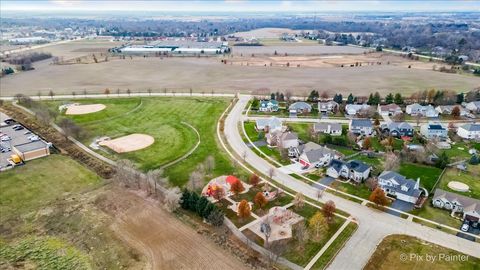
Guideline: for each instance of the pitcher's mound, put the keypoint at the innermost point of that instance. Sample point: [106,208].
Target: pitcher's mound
[84,109]
[129,143]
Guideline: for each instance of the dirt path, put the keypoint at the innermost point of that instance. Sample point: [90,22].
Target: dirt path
[167,242]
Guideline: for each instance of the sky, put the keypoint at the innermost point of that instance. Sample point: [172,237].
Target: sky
[239,6]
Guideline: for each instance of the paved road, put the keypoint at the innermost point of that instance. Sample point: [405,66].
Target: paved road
[373,225]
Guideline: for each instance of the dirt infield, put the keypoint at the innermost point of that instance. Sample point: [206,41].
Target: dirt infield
[84,109]
[166,241]
[129,143]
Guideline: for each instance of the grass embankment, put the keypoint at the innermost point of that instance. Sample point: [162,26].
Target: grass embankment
[406,252]
[161,118]
[48,222]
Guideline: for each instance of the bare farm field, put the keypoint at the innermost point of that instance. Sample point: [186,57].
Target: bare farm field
[296,48]
[267,33]
[209,74]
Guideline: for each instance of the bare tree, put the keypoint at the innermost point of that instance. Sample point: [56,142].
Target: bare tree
[244,155]
[172,199]
[271,173]
[392,162]
[195,180]
[210,164]
[70,129]
[149,90]
[299,200]
[155,178]
[125,172]
[300,233]
[288,95]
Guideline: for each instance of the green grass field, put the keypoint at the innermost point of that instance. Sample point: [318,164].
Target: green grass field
[389,252]
[161,118]
[428,175]
[40,182]
[471,178]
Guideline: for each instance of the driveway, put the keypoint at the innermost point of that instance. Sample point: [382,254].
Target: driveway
[400,205]
[324,181]
[257,144]
[295,168]
[470,230]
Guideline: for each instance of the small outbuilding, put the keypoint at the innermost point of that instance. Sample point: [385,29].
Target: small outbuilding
[31,150]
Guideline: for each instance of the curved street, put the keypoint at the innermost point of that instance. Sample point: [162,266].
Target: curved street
[373,224]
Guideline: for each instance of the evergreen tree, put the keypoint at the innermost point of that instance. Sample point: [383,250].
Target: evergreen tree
[389,98]
[377,98]
[350,99]
[194,198]
[185,201]
[370,99]
[398,99]
[201,205]
[442,161]
[460,98]
[474,160]
[338,98]
[272,96]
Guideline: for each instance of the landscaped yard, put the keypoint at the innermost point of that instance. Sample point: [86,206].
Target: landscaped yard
[252,133]
[302,130]
[162,119]
[459,151]
[360,190]
[471,178]
[436,214]
[275,154]
[391,252]
[428,174]
[377,145]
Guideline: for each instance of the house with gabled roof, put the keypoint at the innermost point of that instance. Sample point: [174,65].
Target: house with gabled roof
[473,106]
[354,170]
[329,106]
[389,109]
[417,109]
[282,139]
[269,124]
[469,131]
[361,126]
[316,155]
[400,187]
[353,109]
[434,130]
[334,129]
[268,106]
[468,207]
[398,129]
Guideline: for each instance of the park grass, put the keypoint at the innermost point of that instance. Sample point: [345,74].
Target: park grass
[471,178]
[336,245]
[161,118]
[24,189]
[437,215]
[387,255]
[428,175]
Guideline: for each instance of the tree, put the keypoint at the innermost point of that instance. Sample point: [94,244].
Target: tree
[474,160]
[210,164]
[371,183]
[51,94]
[271,173]
[460,98]
[195,180]
[155,178]
[389,98]
[202,203]
[216,218]
[218,193]
[244,209]
[254,179]
[324,95]
[300,233]
[272,96]
[318,225]
[288,95]
[376,122]
[299,200]
[124,172]
[70,128]
[260,200]
[172,199]
[378,197]
[328,210]
[129,91]
[442,161]
[338,98]
[456,112]
[350,99]
[237,187]
[392,162]
[106,91]
[367,144]
[398,99]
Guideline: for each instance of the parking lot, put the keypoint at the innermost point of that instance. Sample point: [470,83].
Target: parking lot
[14,134]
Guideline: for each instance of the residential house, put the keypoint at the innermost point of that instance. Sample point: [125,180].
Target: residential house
[434,130]
[334,129]
[389,109]
[327,107]
[469,207]
[300,107]
[268,106]
[353,109]
[473,106]
[353,169]
[282,139]
[425,111]
[400,187]
[398,129]
[269,124]
[469,131]
[361,126]
[316,155]
[447,109]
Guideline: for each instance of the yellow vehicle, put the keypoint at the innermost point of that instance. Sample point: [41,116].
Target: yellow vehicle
[16,159]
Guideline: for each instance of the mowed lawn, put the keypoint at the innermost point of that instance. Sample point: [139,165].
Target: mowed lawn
[471,178]
[27,188]
[162,119]
[403,252]
[428,174]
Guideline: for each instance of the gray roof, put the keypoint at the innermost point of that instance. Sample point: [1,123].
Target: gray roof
[289,136]
[300,105]
[31,146]
[402,181]
[361,123]
[355,165]
[272,122]
[471,127]
[398,125]
[326,104]
[314,152]
[324,126]
[468,204]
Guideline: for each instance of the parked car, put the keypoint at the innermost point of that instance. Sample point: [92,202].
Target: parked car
[5,149]
[27,132]
[18,127]
[33,138]
[465,227]
[5,138]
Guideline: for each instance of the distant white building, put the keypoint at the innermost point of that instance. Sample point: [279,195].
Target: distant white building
[469,131]
[269,124]
[417,109]
[361,127]
[326,107]
[473,106]
[389,109]
[434,130]
[334,129]
[353,109]
[447,109]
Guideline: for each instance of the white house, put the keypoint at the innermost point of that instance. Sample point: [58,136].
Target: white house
[329,106]
[469,207]
[316,155]
[434,130]
[399,187]
[473,106]
[447,109]
[282,139]
[353,109]
[300,107]
[353,169]
[334,129]
[268,106]
[389,109]
[361,126]
[417,109]
[469,131]
[269,124]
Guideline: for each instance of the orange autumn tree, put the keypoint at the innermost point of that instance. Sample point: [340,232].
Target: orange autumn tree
[237,187]
[378,197]
[254,179]
[243,209]
[260,200]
